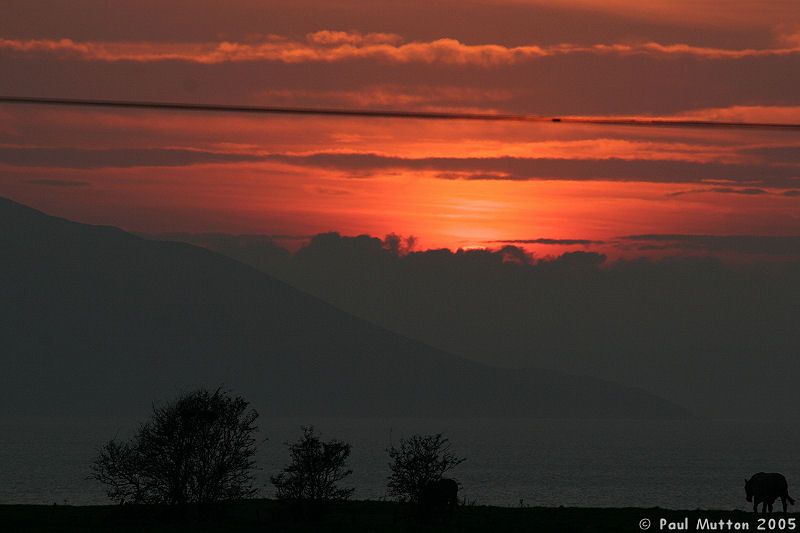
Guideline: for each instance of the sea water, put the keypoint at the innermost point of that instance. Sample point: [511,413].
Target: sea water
[509,462]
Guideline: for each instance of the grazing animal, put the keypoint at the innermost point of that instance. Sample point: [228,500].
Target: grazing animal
[439,499]
[765,488]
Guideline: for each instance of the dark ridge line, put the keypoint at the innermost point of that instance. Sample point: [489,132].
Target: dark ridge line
[366,113]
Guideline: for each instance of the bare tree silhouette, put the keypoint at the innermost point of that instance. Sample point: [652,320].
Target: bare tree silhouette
[314,472]
[419,461]
[197,449]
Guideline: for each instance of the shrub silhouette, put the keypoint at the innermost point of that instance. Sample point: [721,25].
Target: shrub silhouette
[315,470]
[419,461]
[198,449]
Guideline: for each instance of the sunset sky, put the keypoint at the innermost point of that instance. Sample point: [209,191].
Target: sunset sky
[548,187]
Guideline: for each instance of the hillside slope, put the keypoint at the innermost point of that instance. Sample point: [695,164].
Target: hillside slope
[96,320]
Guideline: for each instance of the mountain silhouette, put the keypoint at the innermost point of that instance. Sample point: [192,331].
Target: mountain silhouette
[95,320]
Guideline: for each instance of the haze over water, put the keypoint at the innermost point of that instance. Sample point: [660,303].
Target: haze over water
[599,463]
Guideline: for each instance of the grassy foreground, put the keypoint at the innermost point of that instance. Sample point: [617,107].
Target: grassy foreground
[357,516]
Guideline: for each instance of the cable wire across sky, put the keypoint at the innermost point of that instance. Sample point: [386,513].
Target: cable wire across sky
[396,114]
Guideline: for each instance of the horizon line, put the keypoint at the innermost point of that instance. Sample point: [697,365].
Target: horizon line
[395,114]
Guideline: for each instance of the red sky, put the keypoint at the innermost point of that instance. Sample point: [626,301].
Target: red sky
[451,184]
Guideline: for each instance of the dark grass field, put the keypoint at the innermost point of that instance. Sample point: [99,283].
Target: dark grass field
[363,516]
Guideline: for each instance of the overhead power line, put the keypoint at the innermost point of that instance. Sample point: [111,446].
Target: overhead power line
[424,115]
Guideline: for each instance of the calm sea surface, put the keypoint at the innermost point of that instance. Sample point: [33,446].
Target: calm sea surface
[674,464]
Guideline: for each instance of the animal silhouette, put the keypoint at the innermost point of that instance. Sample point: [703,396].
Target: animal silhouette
[765,488]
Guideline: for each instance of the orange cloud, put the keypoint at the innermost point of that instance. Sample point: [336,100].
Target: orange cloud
[731,13]
[332,46]
[327,38]
[746,113]
[421,97]
[392,138]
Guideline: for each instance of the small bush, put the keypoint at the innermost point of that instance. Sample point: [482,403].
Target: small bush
[315,470]
[420,460]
